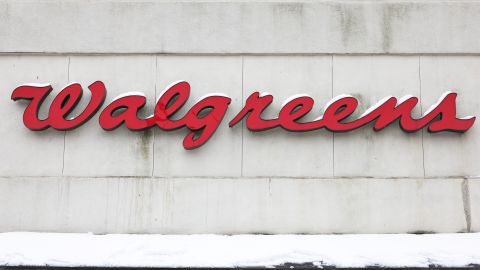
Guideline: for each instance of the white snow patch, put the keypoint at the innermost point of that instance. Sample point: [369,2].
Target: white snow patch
[294,97]
[212,95]
[35,84]
[372,108]
[404,98]
[437,103]
[126,94]
[167,88]
[383,100]
[72,83]
[330,103]
[46,85]
[335,99]
[115,250]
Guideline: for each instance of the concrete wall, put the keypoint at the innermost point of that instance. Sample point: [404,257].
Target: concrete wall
[362,181]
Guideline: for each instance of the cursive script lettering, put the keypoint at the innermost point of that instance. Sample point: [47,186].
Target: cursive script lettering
[204,117]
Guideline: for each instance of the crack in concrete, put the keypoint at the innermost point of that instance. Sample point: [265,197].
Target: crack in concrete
[466,203]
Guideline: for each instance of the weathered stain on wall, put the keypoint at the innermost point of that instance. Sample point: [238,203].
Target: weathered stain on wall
[361,181]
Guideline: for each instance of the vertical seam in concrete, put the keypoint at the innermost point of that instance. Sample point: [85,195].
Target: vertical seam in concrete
[154,129]
[63,154]
[65,132]
[333,133]
[243,126]
[208,207]
[466,203]
[421,112]
[270,187]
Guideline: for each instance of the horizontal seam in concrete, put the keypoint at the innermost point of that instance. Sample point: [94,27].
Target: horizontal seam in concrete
[242,177]
[231,54]
[267,1]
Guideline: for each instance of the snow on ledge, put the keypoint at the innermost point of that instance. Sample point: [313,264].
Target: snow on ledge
[389,250]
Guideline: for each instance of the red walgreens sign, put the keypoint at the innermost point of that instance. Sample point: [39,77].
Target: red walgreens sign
[204,117]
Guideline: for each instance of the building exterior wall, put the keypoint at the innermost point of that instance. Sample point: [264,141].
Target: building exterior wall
[91,180]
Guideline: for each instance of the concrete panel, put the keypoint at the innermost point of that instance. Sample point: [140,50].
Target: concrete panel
[474,203]
[92,151]
[366,206]
[240,26]
[389,152]
[278,152]
[26,152]
[226,205]
[449,153]
[221,155]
